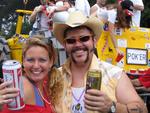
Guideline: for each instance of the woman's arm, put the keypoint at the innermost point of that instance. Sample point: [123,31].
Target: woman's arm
[93,11]
[65,7]
[112,14]
[35,12]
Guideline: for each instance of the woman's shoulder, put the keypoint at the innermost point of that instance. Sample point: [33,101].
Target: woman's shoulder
[26,81]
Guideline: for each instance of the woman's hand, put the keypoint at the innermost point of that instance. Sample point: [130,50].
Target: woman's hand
[96,100]
[38,9]
[7,93]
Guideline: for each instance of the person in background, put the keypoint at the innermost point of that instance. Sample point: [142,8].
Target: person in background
[42,17]
[114,15]
[99,10]
[83,6]
[142,86]
[143,81]
[4,53]
[38,60]
[138,6]
[117,95]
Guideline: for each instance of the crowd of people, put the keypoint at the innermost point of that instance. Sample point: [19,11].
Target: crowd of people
[48,89]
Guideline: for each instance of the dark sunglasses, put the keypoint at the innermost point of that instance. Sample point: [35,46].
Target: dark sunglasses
[81,39]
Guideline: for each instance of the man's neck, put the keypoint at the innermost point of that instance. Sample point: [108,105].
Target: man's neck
[78,73]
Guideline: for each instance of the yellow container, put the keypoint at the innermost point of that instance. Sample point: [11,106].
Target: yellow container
[16,53]
[16,45]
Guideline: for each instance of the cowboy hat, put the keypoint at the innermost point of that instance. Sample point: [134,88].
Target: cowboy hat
[76,19]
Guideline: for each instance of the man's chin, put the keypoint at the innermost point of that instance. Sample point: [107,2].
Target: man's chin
[79,61]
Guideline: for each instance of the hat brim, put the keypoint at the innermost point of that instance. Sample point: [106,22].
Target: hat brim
[92,22]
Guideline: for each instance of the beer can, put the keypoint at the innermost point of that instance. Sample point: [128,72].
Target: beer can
[94,78]
[12,71]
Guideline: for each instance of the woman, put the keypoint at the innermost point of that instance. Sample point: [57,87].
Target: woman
[114,15]
[38,61]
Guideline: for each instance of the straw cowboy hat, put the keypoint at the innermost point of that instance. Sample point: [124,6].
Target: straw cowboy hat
[76,19]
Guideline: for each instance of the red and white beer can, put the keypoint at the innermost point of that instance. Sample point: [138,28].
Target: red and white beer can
[12,71]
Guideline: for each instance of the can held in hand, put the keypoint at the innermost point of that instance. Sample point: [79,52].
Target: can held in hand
[12,71]
[94,78]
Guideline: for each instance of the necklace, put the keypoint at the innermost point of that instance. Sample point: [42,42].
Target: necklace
[49,103]
[77,106]
[44,97]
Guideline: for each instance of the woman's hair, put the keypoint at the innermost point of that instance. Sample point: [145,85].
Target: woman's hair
[123,21]
[124,16]
[38,40]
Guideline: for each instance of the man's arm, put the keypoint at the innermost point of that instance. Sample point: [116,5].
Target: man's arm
[138,7]
[127,98]
[34,13]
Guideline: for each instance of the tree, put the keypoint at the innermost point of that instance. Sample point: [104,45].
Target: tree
[8,16]
[145,19]
[92,2]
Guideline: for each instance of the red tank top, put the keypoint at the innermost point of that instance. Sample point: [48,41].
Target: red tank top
[47,108]
[30,109]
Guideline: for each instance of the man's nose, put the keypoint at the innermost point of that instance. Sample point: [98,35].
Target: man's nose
[78,42]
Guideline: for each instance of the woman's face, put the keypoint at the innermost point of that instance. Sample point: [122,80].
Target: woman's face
[37,63]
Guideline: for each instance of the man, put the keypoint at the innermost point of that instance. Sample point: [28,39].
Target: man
[138,6]
[4,53]
[143,81]
[117,95]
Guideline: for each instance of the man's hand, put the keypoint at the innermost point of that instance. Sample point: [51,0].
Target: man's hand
[97,100]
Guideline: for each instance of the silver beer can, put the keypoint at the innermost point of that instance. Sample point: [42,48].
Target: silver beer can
[12,71]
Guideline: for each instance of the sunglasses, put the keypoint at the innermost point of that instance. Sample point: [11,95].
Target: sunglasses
[81,39]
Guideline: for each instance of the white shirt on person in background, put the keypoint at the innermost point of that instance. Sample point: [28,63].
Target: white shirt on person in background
[107,15]
[101,12]
[136,18]
[83,6]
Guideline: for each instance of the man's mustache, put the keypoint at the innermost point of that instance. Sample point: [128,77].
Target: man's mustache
[78,49]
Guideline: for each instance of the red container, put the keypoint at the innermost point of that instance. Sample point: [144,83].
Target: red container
[119,57]
[12,71]
[133,71]
[141,71]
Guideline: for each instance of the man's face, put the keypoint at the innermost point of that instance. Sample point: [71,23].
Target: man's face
[102,2]
[79,44]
